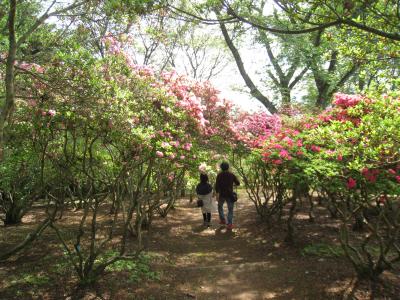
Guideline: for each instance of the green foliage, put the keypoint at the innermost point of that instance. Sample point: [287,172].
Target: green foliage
[323,250]
[30,279]
[20,179]
[138,269]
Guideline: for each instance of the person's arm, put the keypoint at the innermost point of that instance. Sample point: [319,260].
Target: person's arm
[235,180]
[217,187]
[217,184]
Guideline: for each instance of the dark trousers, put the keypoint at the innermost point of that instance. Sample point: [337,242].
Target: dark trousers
[207,217]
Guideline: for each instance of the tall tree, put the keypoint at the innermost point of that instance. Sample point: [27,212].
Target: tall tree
[331,44]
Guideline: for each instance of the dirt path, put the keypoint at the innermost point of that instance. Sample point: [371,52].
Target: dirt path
[246,263]
[194,262]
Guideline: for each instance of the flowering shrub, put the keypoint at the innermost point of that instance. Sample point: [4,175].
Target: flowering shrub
[109,132]
[350,153]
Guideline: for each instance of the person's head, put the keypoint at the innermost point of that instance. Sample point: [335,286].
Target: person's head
[203,178]
[224,166]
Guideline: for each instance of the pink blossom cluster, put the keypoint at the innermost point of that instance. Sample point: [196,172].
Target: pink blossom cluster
[395,173]
[114,46]
[30,67]
[370,175]
[351,183]
[346,101]
[171,147]
[203,168]
[253,129]
[282,146]
[200,100]
[44,113]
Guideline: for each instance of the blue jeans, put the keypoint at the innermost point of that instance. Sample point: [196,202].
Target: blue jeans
[230,204]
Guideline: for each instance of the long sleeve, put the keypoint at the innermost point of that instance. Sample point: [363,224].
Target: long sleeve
[235,180]
[218,184]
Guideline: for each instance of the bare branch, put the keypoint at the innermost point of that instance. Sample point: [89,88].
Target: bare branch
[44,17]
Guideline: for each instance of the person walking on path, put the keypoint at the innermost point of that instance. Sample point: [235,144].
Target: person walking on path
[224,189]
[204,193]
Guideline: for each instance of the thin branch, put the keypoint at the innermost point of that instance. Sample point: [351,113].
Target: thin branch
[44,17]
[282,31]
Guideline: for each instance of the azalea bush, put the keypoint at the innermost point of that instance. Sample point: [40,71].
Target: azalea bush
[357,167]
[271,165]
[20,184]
[348,153]
[121,137]
[110,134]
[23,176]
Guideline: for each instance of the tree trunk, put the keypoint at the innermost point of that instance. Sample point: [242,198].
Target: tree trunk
[285,94]
[8,105]
[254,91]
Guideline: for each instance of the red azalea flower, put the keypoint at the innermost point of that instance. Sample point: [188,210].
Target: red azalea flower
[351,183]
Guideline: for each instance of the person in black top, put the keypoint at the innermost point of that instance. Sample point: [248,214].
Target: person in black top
[204,192]
[224,190]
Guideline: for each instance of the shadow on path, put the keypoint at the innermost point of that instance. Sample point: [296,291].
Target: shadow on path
[248,262]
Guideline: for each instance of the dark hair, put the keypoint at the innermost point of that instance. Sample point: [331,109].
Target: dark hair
[203,178]
[224,166]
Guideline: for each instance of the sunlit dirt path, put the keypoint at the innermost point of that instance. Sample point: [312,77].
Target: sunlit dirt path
[249,262]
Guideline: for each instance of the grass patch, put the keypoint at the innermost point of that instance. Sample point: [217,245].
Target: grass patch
[138,269]
[322,250]
[199,254]
[30,279]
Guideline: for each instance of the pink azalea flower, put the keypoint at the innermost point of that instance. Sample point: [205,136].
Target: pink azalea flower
[315,148]
[284,154]
[365,172]
[330,152]
[175,144]
[288,140]
[32,103]
[307,125]
[299,143]
[340,157]
[372,178]
[277,161]
[351,183]
[398,179]
[391,171]
[51,112]
[187,146]
[159,154]
[278,146]
[266,154]
[296,132]
[203,168]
